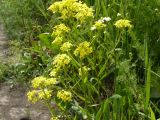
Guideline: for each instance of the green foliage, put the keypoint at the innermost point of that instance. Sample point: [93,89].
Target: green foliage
[121,58]
[111,74]
[24,18]
[3,71]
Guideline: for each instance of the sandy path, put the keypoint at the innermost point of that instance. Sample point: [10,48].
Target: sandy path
[14,105]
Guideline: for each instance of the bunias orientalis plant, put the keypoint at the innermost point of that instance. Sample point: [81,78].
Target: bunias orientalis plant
[78,81]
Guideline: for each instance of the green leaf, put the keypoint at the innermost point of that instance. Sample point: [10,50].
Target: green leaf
[152,114]
[45,39]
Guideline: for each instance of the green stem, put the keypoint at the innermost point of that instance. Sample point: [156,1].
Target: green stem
[48,104]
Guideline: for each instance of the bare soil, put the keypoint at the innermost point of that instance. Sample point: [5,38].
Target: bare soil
[15,106]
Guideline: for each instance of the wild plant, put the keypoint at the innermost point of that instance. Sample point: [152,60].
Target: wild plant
[92,76]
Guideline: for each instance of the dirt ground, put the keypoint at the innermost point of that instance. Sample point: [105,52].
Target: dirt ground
[15,106]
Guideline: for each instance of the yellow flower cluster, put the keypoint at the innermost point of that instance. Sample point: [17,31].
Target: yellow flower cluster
[122,23]
[83,49]
[66,46]
[53,72]
[100,23]
[83,70]
[38,81]
[42,82]
[64,95]
[61,60]
[33,96]
[42,90]
[54,118]
[45,94]
[60,29]
[72,9]
[36,95]
[58,40]
[83,11]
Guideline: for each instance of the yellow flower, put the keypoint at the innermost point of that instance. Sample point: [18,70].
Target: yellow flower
[53,72]
[38,82]
[98,25]
[58,40]
[54,118]
[36,95]
[60,29]
[83,12]
[50,82]
[41,82]
[64,95]
[72,9]
[66,46]
[61,60]
[55,7]
[122,23]
[83,70]
[33,96]
[45,94]
[83,49]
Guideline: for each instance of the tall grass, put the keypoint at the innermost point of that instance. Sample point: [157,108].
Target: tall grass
[124,9]
[24,18]
[147,78]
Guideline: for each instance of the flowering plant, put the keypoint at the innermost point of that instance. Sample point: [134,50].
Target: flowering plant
[79,80]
